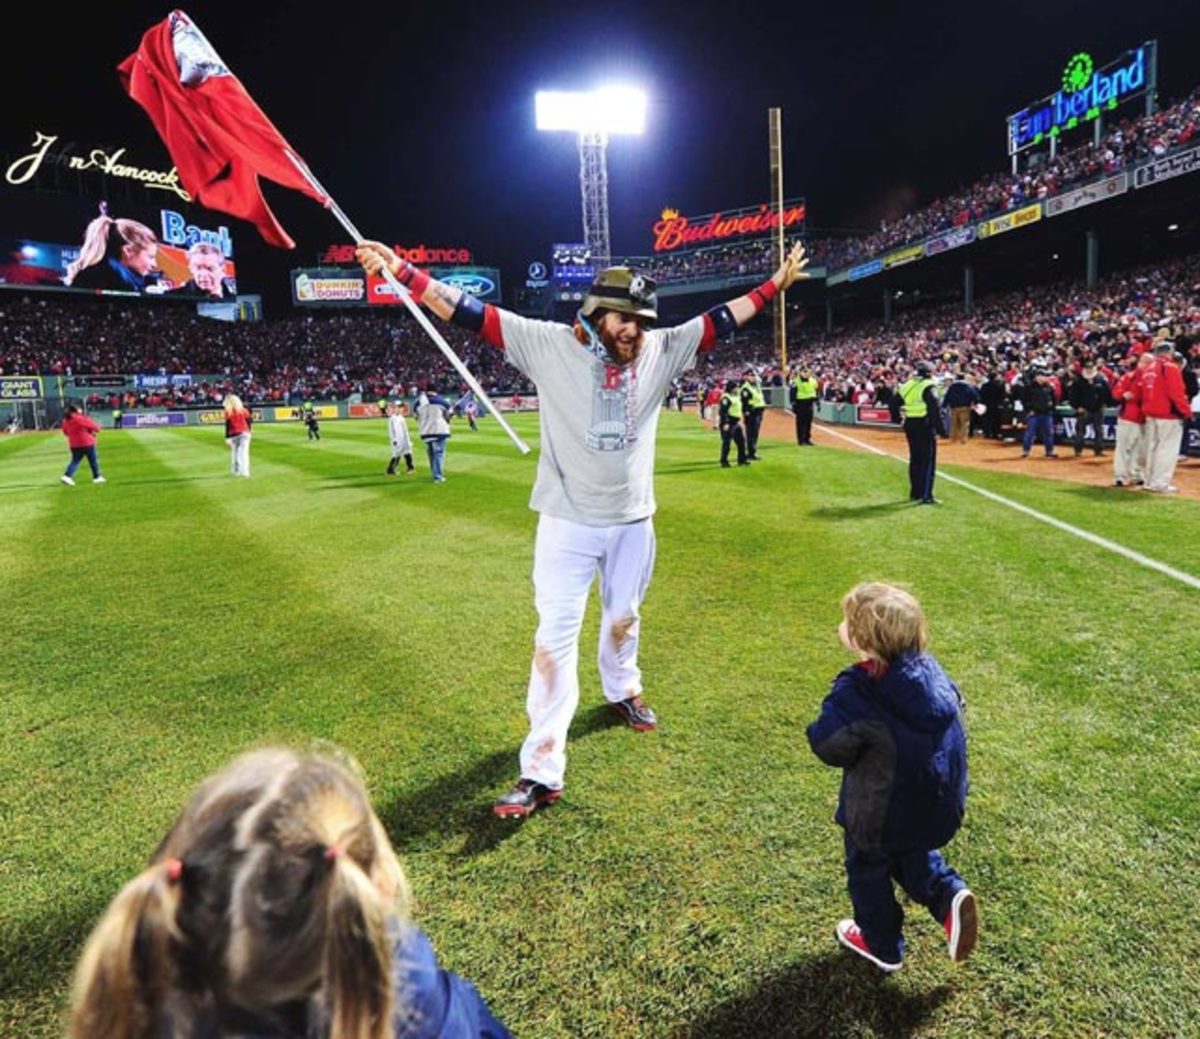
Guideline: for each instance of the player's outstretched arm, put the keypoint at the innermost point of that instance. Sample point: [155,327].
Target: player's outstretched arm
[728,316]
[439,297]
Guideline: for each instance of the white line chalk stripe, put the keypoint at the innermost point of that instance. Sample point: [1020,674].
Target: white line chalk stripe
[1095,539]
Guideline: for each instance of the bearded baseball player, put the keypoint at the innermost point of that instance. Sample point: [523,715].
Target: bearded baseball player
[600,386]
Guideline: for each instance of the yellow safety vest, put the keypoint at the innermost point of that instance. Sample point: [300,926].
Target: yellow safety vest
[806,389]
[735,404]
[912,393]
[756,394]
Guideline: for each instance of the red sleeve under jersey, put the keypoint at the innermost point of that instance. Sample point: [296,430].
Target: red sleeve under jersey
[491,331]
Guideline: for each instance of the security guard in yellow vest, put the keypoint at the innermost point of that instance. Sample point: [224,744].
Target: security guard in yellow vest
[804,401]
[922,427]
[754,406]
[730,424]
[116,418]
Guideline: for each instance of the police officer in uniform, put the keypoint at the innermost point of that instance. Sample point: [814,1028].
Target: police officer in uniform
[116,418]
[730,424]
[804,399]
[922,427]
[310,420]
[753,407]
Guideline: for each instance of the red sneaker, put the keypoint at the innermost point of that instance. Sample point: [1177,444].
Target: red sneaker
[852,938]
[962,926]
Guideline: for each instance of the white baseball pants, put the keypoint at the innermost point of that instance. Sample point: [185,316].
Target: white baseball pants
[567,557]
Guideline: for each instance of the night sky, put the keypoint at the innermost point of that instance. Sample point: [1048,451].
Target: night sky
[418,118]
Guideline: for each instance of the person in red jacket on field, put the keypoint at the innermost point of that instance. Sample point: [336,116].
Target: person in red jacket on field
[1166,407]
[80,432]
[1129,459]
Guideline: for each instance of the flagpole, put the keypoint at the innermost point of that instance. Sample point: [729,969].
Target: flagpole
[414,308]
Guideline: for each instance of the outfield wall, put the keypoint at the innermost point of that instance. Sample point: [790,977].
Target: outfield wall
[1064,421]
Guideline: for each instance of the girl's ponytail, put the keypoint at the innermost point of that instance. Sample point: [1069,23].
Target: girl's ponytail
[358,956]
[124,975]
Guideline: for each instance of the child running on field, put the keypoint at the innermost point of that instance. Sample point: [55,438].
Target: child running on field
[400,438]
[893,723]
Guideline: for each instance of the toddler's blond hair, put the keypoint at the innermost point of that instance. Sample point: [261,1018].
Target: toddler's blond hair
[884,621]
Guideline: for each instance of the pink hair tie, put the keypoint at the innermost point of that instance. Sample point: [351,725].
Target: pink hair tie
[174,870]
[333,851]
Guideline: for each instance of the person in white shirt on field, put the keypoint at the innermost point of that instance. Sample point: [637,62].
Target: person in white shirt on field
[600,385]
[400,438]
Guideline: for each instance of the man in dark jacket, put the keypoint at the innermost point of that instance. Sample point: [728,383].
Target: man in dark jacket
[1089,394]
[961,396]
[991,395]
[1038,401]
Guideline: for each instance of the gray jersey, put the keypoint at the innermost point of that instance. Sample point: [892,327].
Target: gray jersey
[598,421]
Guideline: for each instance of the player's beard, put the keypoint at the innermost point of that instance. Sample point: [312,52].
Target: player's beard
[624,350]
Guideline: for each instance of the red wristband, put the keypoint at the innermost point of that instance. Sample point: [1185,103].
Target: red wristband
[414,279]
[763,295]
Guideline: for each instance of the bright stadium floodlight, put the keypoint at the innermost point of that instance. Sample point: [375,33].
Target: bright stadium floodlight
[607,110]
[593,115]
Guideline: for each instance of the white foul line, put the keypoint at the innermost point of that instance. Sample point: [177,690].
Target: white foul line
[1095,539]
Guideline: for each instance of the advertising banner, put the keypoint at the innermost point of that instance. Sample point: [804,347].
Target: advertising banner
[296,414]
[217,418]
[873,415]
[1087,92]
[365,411]
[1165,169]
[481,282]
[153,382]
[1108,188]
[673,230]
[422,255]
[110,381]
[950,240]
[903,256]
[143,420]
[335,287]
[865,270]
[1011,221]
[20,387]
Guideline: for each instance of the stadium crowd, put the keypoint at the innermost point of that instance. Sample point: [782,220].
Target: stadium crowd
[318,356]
[334,356]
[1127,143]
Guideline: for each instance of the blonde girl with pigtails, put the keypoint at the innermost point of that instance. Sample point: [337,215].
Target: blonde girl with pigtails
[275,908]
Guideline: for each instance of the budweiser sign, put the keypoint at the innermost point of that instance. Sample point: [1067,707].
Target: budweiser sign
[418,254]
[673,231]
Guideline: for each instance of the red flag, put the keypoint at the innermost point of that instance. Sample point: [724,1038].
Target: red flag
[219,139]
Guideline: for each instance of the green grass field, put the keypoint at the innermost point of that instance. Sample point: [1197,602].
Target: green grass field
[689,881]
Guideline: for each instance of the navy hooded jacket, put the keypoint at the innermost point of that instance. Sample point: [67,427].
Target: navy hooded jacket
[901,745]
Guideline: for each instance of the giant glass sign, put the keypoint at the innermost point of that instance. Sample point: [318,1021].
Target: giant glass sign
[1087,92]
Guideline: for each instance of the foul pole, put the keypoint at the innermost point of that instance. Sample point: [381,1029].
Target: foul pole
[775,150]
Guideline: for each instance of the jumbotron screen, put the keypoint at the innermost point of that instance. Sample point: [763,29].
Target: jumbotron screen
[148,252]
[91,219]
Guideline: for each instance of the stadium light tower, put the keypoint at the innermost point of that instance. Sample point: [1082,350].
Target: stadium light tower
[593,115]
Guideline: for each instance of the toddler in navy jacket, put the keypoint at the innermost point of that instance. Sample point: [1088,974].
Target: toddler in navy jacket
[893,723]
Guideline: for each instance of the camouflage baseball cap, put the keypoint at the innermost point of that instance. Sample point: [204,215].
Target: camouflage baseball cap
[624,290]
